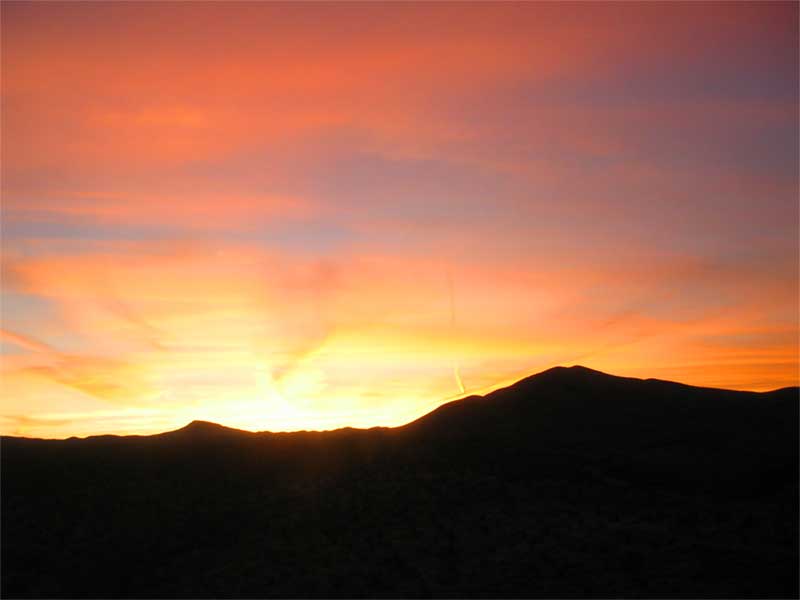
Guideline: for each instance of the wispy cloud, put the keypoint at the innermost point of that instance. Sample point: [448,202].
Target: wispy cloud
[246,215]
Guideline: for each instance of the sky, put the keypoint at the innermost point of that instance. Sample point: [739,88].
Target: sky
[283,216]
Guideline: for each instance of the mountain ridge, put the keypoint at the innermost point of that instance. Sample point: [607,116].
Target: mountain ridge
[575,375]
[569,483]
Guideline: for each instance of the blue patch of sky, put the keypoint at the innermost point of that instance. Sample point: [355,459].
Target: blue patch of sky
[22,313]
[22,226]
[308,236]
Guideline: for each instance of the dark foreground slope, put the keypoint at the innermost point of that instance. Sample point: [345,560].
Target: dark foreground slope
[571,483]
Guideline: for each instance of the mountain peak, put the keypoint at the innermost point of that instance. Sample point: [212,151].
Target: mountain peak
[573,370]
[198,425]
[566,374]
[206,429]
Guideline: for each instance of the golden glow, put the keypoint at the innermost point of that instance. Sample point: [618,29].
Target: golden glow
[189,333]
[317,215]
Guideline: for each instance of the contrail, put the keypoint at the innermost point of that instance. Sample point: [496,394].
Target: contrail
[458,378]
[456,372]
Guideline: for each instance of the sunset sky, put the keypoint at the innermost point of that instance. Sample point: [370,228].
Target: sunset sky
[283,216]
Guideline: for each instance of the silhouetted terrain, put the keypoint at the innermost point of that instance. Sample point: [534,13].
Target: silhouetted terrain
[570,483]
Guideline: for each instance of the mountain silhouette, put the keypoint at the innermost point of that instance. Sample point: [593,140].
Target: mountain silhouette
[205,430]
[569,483]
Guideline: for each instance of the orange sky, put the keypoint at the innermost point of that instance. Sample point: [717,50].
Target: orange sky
[283,216]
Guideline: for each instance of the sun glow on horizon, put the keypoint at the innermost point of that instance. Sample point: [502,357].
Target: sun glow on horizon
[283,216]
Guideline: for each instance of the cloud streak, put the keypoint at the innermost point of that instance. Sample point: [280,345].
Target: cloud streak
[245,215]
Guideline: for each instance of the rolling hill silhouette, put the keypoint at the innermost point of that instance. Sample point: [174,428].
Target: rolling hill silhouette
[569,483]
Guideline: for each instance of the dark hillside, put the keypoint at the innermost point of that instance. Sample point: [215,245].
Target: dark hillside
[570,483]
[674,434]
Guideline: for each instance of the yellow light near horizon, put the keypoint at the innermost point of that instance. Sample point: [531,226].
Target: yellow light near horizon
[187,336]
